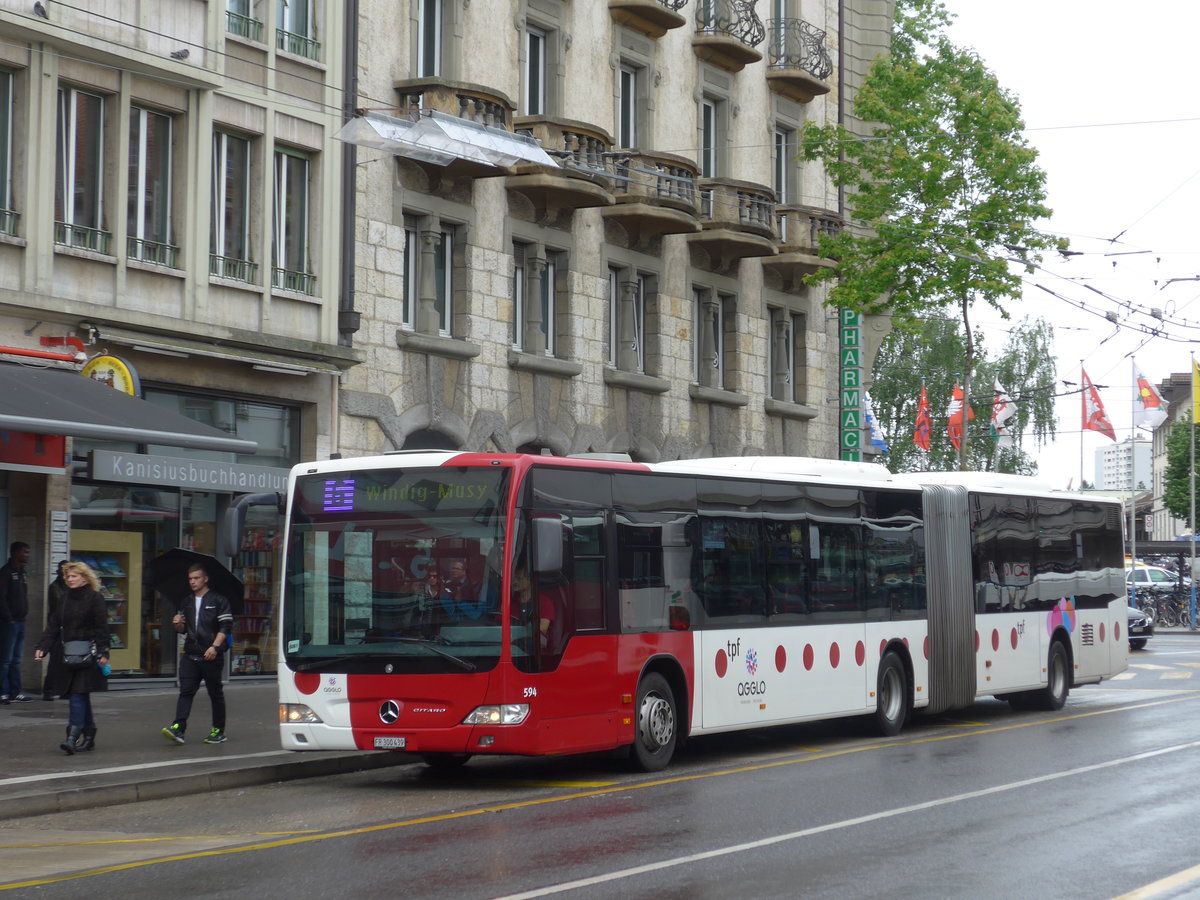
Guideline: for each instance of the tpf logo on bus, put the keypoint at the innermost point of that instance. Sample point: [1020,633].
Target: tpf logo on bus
[733,650]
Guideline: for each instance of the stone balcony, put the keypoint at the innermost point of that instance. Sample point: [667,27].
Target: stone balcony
[727,33]
[472,102]
[583,176]
[798,65]
[737,221]
[655,193]
[799,229]
[651,17]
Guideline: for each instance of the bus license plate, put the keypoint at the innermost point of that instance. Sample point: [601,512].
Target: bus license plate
[389,743]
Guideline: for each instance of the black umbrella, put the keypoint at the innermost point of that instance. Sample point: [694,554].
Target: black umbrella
[169,573]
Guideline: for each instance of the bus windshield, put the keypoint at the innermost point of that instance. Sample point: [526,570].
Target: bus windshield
[395,570]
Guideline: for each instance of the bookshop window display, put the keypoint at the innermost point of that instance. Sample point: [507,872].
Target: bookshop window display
[118,529]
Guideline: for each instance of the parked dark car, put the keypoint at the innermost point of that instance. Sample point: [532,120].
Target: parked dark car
[1141,628]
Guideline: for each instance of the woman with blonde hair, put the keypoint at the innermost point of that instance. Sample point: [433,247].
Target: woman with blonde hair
[80,617]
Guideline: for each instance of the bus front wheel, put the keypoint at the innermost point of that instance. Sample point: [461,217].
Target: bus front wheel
[445,761]
[891,695]
[657,725]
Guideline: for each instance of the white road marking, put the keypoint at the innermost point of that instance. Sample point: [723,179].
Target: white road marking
[845,823]
[55,776]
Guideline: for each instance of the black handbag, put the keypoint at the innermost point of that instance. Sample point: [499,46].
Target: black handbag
[79,654]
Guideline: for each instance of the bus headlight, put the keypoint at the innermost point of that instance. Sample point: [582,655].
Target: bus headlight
[503,714]
[297,714]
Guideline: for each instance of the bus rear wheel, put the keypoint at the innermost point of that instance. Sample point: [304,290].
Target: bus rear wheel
[657,725]
[1058,680]
[891,695]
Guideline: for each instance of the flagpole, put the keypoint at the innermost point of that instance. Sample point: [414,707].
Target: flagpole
[1192,493]
[1082,421]
[1132,498]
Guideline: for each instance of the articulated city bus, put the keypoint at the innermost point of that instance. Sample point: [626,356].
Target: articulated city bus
[452,604]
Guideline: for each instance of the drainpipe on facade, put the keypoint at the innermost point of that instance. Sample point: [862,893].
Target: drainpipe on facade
[349,319]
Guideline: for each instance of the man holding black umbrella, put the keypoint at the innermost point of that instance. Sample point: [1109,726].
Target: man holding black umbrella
[207,621]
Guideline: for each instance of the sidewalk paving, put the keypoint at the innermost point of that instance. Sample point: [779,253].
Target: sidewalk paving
[133,761]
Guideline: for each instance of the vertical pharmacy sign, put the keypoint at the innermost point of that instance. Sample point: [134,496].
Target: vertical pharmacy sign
[850,381]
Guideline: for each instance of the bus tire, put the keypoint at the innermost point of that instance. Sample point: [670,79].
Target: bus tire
[445,761]
[891,695]
[657,725]
[1058,680]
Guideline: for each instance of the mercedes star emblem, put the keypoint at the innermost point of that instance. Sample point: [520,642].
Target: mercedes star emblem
[389,711]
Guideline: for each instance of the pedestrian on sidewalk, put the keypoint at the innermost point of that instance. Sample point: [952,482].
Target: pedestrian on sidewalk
[56,595]
[207,621]
[81,617]
[14,607]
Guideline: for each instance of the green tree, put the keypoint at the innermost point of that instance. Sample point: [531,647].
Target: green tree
[933,351]
[946,186]
[1177,480]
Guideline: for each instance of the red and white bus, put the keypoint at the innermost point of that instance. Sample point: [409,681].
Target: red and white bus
[453,604]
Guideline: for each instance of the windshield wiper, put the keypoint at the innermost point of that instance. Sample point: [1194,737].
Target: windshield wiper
[465,664]
[432,645]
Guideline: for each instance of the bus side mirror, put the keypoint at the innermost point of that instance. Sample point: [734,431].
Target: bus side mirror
[235,518]
[547,545]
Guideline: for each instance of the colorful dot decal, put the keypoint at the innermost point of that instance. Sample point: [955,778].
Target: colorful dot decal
[835,655]
[1013,638]
[995,639]
[722,664]
[808,656]
[860,653]
[780,658]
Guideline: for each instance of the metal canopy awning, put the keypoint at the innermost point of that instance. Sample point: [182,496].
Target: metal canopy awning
[59,401]
[183,347]
[441,139]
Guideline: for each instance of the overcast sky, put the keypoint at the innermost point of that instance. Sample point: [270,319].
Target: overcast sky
[1109,94]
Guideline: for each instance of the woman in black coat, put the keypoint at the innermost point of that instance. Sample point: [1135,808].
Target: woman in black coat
[80,617]
[55,596]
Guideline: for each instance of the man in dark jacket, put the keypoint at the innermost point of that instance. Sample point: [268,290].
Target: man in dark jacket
[207,621]
[14,607]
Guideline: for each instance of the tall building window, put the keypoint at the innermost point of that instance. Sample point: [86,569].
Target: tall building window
[429,38]
[428,275]
[627,107]
[535,301]
[535,71]
[709,136]
[786,356]
[785,164]
[709,315]
[295,30]
[79,166]
[289,251]
[239,20]
[229,244]
[8,216]
[627,319]
[149,222]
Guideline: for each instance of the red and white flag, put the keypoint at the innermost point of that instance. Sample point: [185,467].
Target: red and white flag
[1149,411]
[1094,416]
[924,426]
[954,413]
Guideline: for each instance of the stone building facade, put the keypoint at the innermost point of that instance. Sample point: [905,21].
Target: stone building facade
[639,290]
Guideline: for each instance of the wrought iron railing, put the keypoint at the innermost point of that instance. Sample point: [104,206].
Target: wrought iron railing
[297,282]
[675,5]
[81,237]
[243,26]
[232,268]
[735,18]
[795,44]
[298,44]
[8,221]
[152,252]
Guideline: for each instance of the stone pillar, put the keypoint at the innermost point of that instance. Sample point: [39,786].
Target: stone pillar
[627,333]
[428,320]
[533,337]
[781,373]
